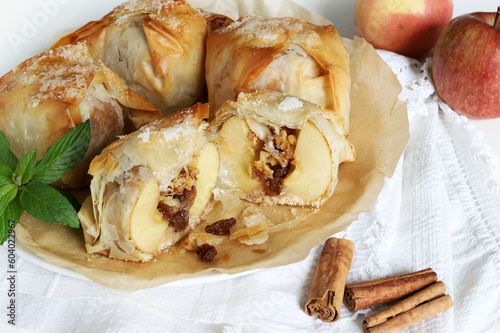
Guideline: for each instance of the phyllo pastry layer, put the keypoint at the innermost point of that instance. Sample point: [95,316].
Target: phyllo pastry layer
[156,46]
[150,188]
[277,149]
[282,54]
[47,95]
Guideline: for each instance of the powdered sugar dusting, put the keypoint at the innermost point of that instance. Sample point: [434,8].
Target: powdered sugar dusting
[60,74]
[144,135]
[290,103]
[254,220]
[176,131]
[265,28]
[175,23]
[149,6]
[155,9]
[248,99]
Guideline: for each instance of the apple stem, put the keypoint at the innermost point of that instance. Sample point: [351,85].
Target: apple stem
[496,25]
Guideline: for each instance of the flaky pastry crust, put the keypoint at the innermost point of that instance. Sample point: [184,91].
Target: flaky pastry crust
[47,95]
[157,159]
[294,56]
[156,46]
[266,113]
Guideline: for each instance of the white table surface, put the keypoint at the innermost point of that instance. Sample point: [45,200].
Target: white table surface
[16,14]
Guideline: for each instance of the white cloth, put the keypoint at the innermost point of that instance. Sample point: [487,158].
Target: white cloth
[441,209]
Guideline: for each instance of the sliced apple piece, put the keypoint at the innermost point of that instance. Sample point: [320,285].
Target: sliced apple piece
[147,226]
[207,163]
[313,165]
[236,153]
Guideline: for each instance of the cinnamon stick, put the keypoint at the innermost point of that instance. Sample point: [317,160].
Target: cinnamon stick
[363,295]
[422,305]
[327,288]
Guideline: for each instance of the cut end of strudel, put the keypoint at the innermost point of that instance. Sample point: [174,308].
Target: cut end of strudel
[150,188]
[276,149]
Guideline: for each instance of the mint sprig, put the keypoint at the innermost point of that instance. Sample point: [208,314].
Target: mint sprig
[6,155]
[5,174]
[11,213]
[25,183]
[25,168]
[45,203]
[60,158]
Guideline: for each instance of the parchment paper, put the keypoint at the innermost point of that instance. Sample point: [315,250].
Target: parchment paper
[379,132]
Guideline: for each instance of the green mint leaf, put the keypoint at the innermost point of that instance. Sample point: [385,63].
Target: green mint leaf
[71,198]
[6,155]
[26,167]
[9,218]
[64,155]
[6,174]
[47,204]
[7,194]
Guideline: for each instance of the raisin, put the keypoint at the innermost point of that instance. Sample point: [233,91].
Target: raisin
[279,171]
[166,211]
[179,219]
[274,186]
[187,198]
[222,227]
[206,252]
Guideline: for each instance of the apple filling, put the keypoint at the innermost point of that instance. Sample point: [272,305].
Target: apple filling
[274,158]
[163,215]
[276,165]
[176,202]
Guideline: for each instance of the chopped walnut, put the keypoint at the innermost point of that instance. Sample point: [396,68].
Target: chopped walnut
[284,148]
[185,180]
[274,160]
[265,157]
[177,214]
[262,169]
[178,199]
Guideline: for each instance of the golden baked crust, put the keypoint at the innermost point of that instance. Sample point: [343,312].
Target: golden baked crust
[47,95]
[250,144]
[156,46]
[301,59]
[165,161]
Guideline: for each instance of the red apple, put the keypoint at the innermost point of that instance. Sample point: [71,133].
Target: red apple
[466,65]
[407,27]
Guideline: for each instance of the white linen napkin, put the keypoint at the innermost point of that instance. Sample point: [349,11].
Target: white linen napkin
[441,209]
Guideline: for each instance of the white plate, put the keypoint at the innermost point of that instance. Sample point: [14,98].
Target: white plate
[28,255]
[28,27]
[213,276]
